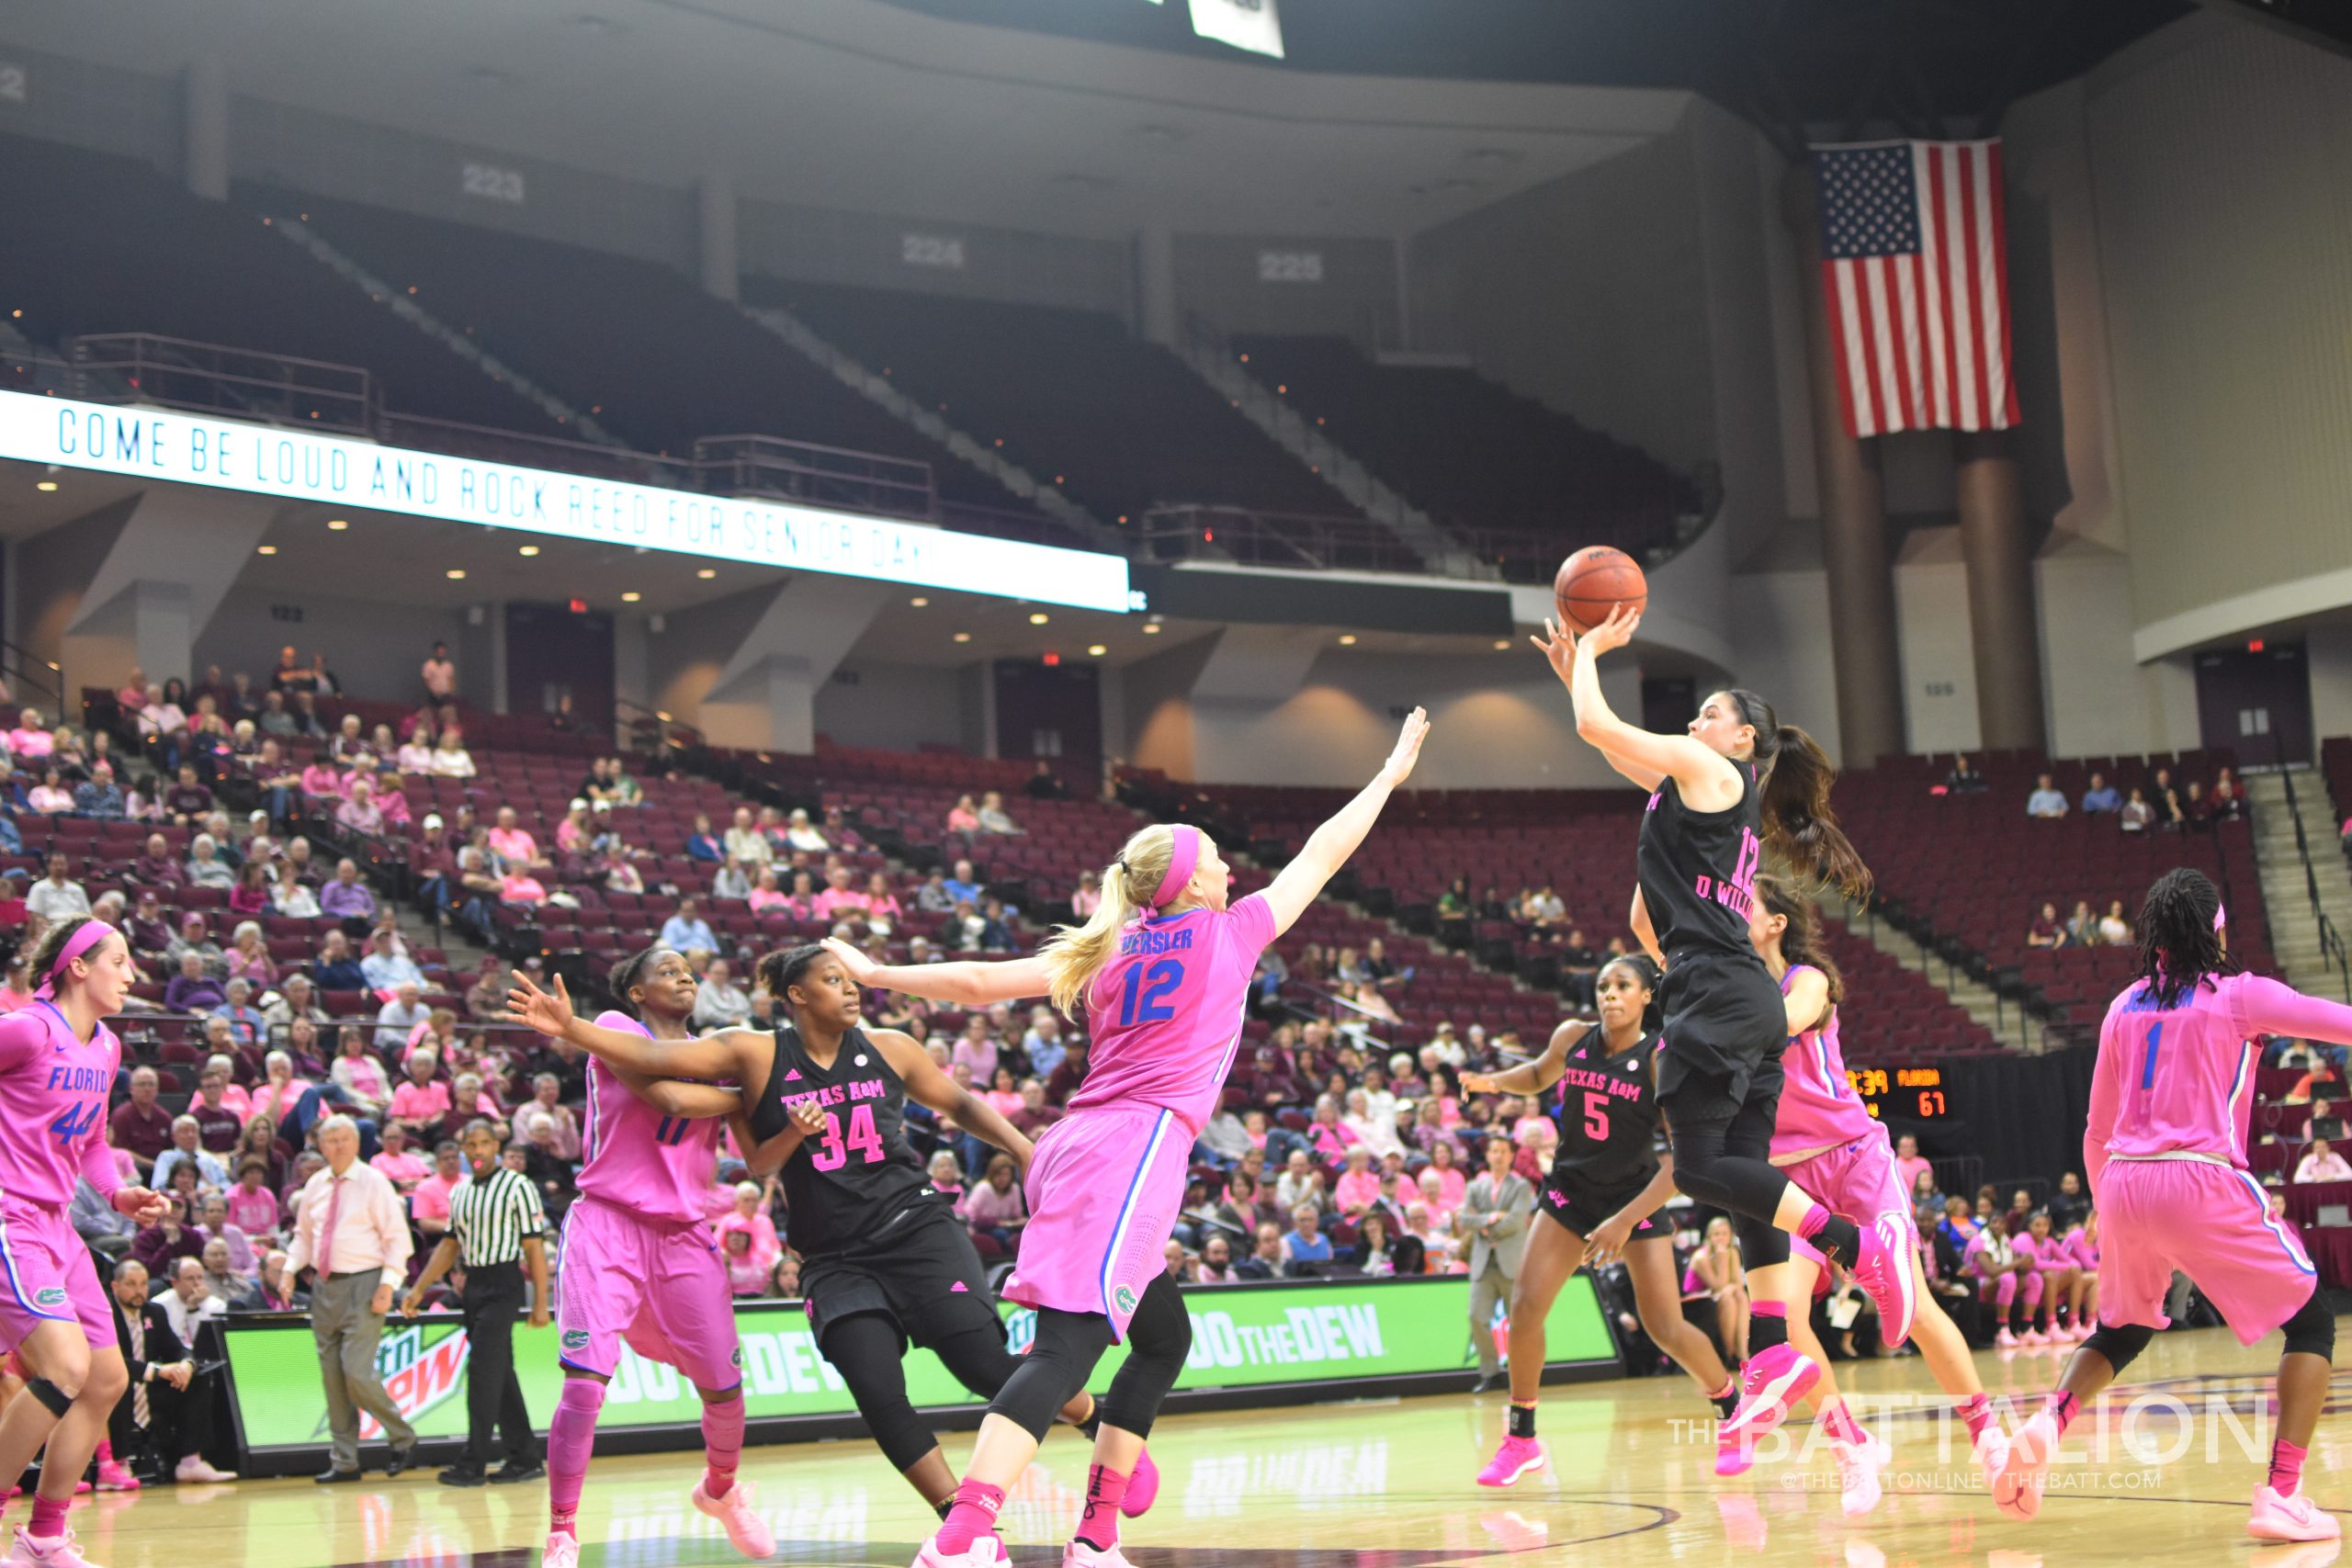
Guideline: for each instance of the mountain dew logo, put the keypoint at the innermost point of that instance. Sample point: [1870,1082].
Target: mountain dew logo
[419,1376]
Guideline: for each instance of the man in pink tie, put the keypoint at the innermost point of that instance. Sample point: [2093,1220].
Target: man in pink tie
[350,1231]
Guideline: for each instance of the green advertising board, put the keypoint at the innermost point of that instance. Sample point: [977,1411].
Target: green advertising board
[1269,1337]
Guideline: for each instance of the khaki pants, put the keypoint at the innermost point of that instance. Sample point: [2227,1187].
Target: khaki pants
[348,1333]
[1491,1290]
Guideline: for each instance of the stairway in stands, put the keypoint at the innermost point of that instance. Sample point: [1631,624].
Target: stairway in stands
[2296,935]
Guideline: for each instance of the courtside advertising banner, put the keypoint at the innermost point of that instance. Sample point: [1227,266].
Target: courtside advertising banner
[162,446]
[1268,1336]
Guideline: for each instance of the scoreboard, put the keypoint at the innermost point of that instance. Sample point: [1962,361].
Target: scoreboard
[1912,1094]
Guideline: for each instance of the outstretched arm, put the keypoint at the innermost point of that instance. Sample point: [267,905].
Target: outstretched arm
[1328,847]
[727,1054]
[926,1084]
[1535,1076]
[1641,756]
[972,985]
[680,1097]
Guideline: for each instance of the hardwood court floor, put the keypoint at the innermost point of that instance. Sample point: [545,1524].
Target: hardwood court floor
[1376,1485]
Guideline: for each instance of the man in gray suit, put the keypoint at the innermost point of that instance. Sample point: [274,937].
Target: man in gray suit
[1493,1219]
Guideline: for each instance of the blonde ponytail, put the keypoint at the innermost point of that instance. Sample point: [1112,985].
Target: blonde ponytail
[1075,955]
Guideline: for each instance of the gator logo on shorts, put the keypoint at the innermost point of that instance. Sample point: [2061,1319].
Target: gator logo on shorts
[54,1296]
[1124,1299]
[735,1358]
[575,1338]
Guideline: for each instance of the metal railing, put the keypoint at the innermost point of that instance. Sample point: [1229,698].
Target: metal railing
[2330,942]
[277,388]
[769,465]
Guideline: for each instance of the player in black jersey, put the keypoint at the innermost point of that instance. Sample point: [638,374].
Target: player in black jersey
[1737,781]
[885,1261]
[1607,1181]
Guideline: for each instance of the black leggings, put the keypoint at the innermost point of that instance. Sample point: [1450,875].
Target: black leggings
[868,1351]
[1722,1158]
[1159,1335]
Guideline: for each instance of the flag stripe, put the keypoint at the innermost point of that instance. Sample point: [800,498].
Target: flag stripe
[1915,250]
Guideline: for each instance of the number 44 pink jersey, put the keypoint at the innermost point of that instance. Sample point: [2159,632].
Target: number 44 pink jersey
[53,1092]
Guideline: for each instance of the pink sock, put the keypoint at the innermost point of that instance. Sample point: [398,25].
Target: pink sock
[2062,1409]
[1815,1218]
[1098,1527]
[106,1451]
[722,1444]
[49,1516]
[1839,1423]
[2286,1468]
[1976,1410]
[571,1433]
[973,1515]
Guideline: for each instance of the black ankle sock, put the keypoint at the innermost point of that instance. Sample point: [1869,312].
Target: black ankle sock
[943,1507]
[1839,1240]
[1523,1420]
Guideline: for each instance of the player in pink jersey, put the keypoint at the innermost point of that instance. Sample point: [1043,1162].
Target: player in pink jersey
[2164,1152]
[2081,1246]
[1826,1141]
[637,1261]
[57,1066]
[885,1260]
[1162,969]
[2054,1267]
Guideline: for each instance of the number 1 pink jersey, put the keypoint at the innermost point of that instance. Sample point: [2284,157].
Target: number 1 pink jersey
[53,1092]
[1165,1014]
[2179,1080]
[637,1159]
[1818,1105]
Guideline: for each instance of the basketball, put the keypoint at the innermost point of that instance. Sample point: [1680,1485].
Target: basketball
[1594,581]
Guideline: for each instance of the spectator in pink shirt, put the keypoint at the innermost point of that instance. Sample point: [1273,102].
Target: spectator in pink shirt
[399,1163]
[1909,1161]
[747,1215]
[974,1050]
[995,1206]
[428,1205]
[1358,1187]
[839,898]
[512,842]
[766,895]
[322,778]
[281,1093]
[519,886]
[422,1100]
[253,1207]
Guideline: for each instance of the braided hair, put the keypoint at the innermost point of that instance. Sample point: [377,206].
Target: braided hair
[781,970]
[2180,938]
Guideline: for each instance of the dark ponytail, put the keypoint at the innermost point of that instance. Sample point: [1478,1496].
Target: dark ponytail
[1794,779]
[2180,946]
[1801,941]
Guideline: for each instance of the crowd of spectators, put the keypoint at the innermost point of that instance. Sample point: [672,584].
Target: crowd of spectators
[2160,801]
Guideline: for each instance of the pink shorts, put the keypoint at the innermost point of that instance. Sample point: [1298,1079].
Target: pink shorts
[658,1284]
[1859,1180]
[49,1277]
[2211,1222]
[1104,1192]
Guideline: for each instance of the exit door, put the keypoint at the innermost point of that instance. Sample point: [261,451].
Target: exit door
[2257,705]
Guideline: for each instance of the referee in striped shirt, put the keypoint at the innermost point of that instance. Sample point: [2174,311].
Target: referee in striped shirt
[495,1223]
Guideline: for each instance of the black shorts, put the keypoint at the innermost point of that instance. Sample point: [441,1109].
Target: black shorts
[1724,1019]
[1584,1211]
[922,1272]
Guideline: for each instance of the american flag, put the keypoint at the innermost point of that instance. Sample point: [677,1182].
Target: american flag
[1915,265]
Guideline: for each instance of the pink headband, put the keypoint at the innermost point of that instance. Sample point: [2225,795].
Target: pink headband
[91,934]
[1186,856]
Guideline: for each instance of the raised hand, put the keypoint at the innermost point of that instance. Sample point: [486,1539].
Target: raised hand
[549,1012]
[1616,632]
[1400,766]
[860,969]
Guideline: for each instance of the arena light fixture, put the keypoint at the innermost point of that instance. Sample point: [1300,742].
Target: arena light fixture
[265,550]
[919,603]
[1038,618]
[338,524]
[963,636]
[631,597]
[1347,639]
[455,574]
[1502,645]
[707,572]
[45,486]
[1151,628]
[1097,650]
[527,549]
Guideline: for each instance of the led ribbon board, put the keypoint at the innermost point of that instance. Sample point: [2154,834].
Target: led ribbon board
[296,464]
